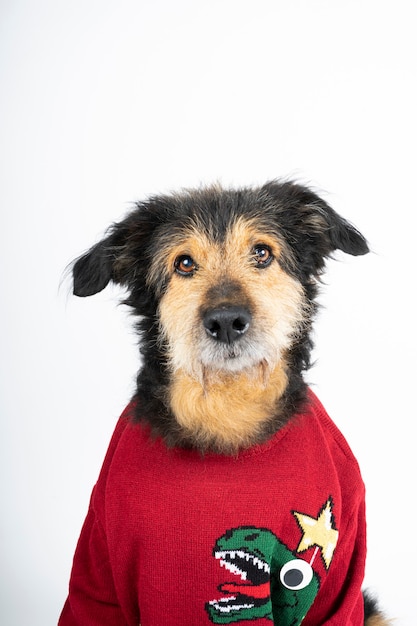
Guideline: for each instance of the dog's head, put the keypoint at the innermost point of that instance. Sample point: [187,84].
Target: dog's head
[224,282]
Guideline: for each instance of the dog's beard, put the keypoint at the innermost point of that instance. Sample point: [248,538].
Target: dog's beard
[209,362]
[259,372]
[224,395]
[191,351]
[245,355]
[225,402]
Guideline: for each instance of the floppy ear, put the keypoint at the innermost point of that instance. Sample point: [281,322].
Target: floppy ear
[313,229]
[94,270]
[122,256]
[108,260]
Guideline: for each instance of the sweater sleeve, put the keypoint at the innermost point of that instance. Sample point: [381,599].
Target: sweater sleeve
[340,600]
[92,599]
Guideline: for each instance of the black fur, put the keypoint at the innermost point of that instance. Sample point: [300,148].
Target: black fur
[371,608]
[311,229]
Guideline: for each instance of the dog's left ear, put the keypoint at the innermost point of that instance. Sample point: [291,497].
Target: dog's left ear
[312,228]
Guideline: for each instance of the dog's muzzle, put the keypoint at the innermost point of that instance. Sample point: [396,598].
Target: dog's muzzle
[227,323]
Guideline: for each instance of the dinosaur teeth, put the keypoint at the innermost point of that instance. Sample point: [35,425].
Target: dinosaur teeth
[232,568]
[261,564]
[224,605]
[226,556]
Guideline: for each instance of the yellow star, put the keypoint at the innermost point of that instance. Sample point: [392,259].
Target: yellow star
[319,532]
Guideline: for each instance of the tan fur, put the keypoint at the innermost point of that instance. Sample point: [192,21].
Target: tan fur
[219,393]
[378,620]
[227,409]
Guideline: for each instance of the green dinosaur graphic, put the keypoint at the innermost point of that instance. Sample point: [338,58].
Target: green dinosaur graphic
[270,581]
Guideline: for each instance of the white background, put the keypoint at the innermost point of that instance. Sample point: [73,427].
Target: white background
[103,103]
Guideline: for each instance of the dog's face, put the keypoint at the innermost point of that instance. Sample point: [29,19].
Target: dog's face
[225,281]
[228,305]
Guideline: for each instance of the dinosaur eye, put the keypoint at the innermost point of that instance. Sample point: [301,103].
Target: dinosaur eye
[262,255]
[185,265]
[252,537]
[296,574]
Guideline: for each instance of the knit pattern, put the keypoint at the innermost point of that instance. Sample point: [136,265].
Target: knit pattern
[269,536]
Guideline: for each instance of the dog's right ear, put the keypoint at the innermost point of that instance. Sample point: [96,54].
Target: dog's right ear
[107,260]
[122,256]
[93,270]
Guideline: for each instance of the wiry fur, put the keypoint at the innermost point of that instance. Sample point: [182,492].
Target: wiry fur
[220,227]
[194,390]
[373,615]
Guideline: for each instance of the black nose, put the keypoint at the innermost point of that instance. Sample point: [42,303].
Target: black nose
[227,323]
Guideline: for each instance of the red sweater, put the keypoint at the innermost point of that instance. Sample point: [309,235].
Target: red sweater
[273,535]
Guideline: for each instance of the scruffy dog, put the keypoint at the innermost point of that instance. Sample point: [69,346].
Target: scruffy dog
[227,494]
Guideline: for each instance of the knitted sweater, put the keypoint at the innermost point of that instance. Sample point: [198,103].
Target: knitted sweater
[274,535]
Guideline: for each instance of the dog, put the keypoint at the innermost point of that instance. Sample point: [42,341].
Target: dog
[227,494]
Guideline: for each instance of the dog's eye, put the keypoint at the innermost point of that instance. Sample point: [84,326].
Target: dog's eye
[185,265]
[262,255]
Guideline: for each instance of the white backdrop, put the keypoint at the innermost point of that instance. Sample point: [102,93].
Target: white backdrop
[105,102]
